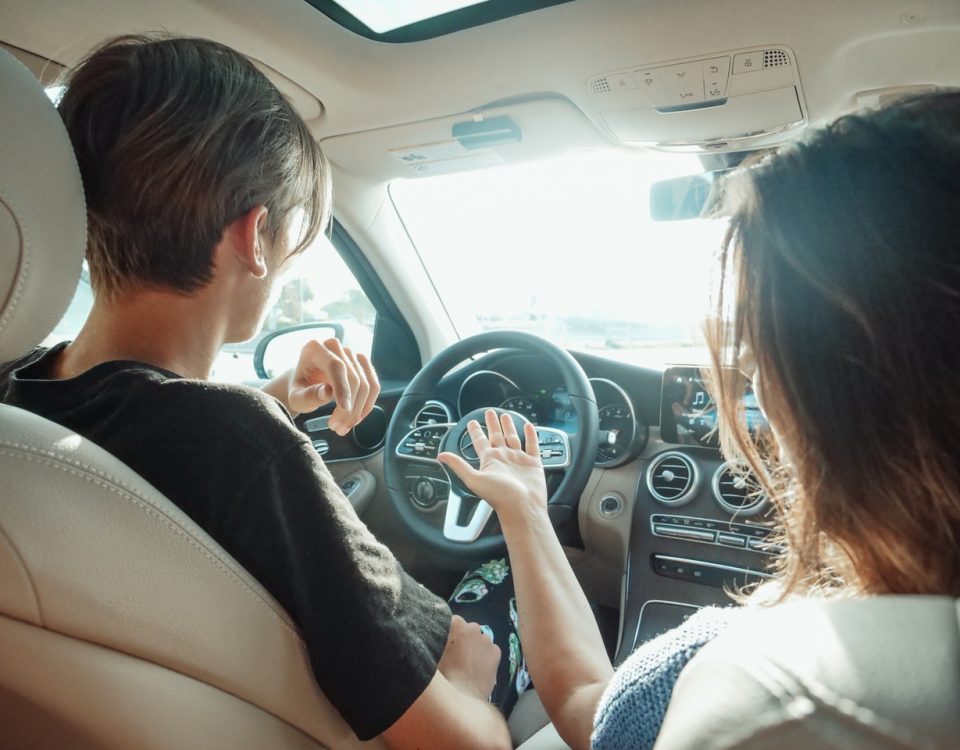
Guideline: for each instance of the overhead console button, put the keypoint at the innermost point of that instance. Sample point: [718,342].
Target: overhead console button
[715,72]
[650,81]
[684,83]
[747,62]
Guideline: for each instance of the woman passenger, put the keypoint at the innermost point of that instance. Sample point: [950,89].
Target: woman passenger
[840,297]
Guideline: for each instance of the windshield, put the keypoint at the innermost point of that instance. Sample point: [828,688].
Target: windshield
[566,248]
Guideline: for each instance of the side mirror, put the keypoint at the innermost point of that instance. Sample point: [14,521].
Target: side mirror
[280,349]
[680,198]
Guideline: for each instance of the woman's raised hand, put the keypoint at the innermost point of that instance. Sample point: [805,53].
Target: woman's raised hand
[510,476]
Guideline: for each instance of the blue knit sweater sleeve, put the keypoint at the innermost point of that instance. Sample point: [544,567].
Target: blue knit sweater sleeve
[632,708]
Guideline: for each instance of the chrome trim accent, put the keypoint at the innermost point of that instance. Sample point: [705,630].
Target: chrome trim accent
[633,417]
[688,494]
[317,424]
[453,531]
[727,523]
[433,402]
[733,510]
[405,457]
[565,439]
[353,431]
[470,377]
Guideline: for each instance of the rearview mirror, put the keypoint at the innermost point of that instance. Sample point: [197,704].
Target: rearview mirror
[280,349]
[680,197]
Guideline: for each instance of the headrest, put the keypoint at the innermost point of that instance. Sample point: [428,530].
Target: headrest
[43,223]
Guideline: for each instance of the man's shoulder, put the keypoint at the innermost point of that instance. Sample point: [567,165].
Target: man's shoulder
[236,409]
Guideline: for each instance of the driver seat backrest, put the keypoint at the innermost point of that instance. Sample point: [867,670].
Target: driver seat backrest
[122,624]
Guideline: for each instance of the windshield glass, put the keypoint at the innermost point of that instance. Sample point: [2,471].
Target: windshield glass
[566,248]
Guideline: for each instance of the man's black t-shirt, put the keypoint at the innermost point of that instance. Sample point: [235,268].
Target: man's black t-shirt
[232,459]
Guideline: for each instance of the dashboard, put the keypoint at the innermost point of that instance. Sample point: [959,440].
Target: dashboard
[537,395]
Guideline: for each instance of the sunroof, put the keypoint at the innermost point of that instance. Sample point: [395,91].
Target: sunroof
[416,20]
[387,15]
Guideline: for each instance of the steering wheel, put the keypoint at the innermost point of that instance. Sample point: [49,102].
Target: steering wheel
[460,538]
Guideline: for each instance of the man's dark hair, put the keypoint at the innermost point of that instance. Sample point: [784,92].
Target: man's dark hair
[176,138]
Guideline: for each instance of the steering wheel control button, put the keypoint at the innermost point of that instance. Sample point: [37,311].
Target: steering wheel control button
[423,443]
[554,448]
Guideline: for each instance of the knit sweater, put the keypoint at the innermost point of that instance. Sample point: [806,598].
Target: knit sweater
[632,708]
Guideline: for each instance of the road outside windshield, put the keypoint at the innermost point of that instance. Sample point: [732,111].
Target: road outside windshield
[566,248]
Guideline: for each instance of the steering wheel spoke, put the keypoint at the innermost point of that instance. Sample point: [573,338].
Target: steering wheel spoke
[554,448]
[423,443]
[567,458]
[453,530]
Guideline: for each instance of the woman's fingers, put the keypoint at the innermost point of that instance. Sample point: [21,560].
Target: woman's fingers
[530,437]
[494,432]
[480,442]
[510,436]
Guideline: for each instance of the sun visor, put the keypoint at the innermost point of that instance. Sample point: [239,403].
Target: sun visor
[735,100]
[496,134]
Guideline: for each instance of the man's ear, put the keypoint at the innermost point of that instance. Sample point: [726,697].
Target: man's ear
[243,239]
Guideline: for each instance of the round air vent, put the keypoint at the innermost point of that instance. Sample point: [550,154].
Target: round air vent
[672,478]
[433,412]
[370,433]
[736,493]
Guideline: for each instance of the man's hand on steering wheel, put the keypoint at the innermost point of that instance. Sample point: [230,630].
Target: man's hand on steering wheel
[510,476]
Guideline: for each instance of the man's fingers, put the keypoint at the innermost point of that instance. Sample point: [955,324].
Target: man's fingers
[510,435]
[530,438]
[494,430]
[373,381]
[362,388]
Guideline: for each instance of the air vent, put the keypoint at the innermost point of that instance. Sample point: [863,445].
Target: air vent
[432,413]
[775,58]
[672,478]
[600,85]
[736,493]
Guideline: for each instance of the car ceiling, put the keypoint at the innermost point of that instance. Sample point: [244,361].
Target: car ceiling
[363,98]
[841,48]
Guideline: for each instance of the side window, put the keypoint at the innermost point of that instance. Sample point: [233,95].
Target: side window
[318,288]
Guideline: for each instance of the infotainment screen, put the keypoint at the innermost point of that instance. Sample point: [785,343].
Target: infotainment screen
[688,416]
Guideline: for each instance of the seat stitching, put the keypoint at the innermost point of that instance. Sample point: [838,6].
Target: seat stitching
[107,477]
[26,572]
[150,509]
[24,264]
[167,667]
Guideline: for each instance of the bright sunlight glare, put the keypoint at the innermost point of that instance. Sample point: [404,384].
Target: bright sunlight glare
[566,248]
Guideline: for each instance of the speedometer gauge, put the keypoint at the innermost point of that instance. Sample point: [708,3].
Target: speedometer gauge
[617,439]
[523,405]
[616,432]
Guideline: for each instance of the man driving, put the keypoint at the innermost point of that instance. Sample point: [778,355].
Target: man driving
[201,184]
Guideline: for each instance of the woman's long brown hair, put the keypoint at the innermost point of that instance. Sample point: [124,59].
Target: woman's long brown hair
[841,280]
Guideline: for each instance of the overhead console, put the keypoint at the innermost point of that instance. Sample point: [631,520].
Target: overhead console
[735,100]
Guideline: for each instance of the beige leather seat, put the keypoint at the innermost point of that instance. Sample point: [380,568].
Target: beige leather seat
[122,624]
[874,674]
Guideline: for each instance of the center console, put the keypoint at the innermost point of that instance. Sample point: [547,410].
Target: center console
[700,527]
